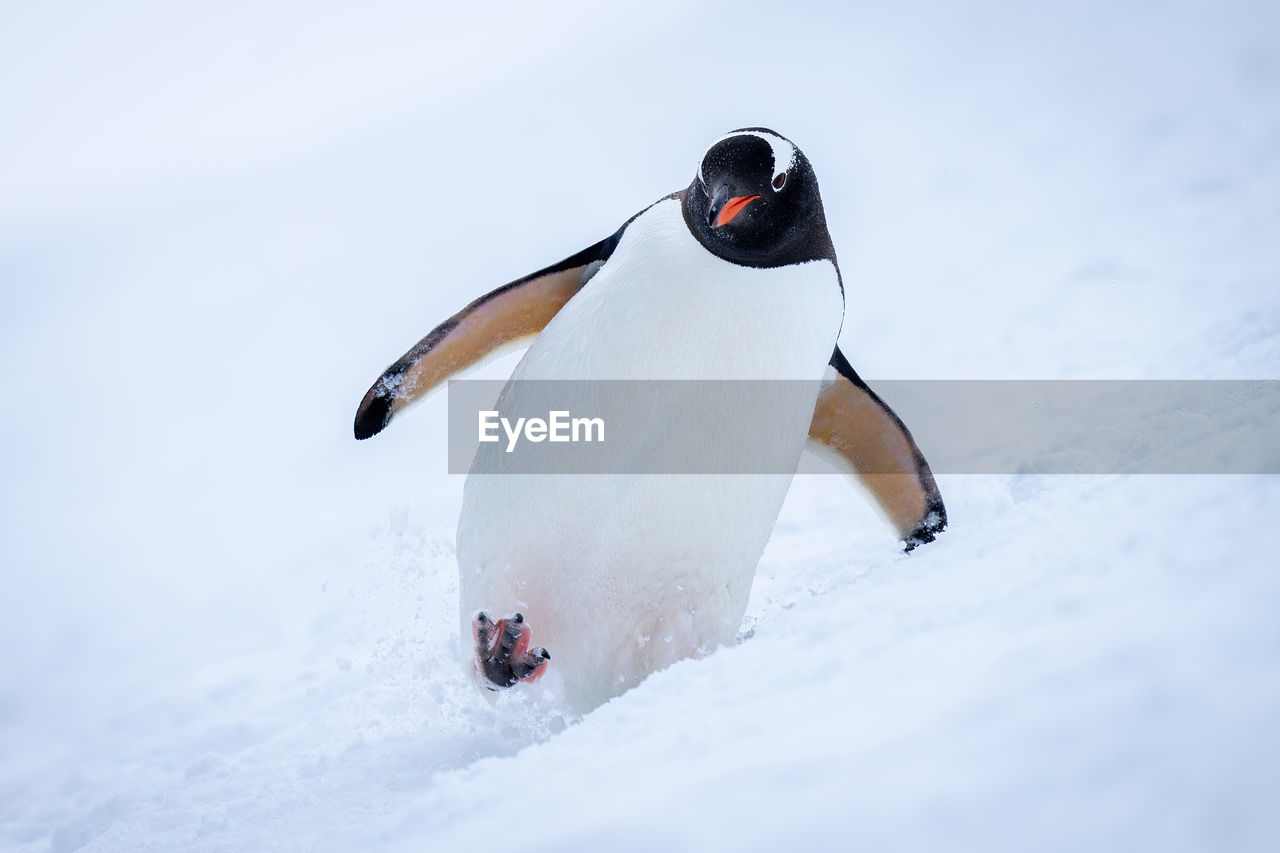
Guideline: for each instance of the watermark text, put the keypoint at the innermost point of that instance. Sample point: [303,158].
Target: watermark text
[557,427]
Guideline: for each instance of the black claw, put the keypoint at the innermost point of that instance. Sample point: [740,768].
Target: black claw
[510,636]
[522,669]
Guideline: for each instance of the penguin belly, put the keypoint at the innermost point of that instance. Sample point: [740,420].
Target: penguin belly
[621,575]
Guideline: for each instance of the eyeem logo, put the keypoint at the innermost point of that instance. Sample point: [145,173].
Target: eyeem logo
[558,426]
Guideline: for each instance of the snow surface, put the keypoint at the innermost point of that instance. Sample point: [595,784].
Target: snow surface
[229,626]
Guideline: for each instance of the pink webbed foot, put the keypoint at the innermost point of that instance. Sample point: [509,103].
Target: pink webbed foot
[503,657]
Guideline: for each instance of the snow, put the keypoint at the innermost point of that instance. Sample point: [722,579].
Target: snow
[229,626]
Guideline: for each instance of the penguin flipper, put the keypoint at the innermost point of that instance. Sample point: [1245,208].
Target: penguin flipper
[509,314]
[876,445]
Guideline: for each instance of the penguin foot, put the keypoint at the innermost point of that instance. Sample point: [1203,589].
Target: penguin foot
[503,656]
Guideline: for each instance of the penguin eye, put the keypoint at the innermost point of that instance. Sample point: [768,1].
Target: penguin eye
[780,181]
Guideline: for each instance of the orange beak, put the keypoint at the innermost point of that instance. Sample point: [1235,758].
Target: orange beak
[732,208]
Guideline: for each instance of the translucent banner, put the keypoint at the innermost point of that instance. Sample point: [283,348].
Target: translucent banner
[961,427]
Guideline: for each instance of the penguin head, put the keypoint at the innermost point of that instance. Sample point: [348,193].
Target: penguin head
[754,201]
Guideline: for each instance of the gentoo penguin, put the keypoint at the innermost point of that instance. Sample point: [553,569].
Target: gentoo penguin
[733,277]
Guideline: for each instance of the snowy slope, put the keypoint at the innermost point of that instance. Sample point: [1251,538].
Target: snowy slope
[231,627]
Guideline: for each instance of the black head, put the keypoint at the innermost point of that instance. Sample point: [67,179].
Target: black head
[755,201]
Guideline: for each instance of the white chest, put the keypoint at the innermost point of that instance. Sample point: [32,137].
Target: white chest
[620,575]
[664,307]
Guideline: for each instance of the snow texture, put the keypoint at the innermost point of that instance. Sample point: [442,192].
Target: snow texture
[229,626]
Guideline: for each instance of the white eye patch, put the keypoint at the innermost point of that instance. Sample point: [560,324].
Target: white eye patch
[784,153]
